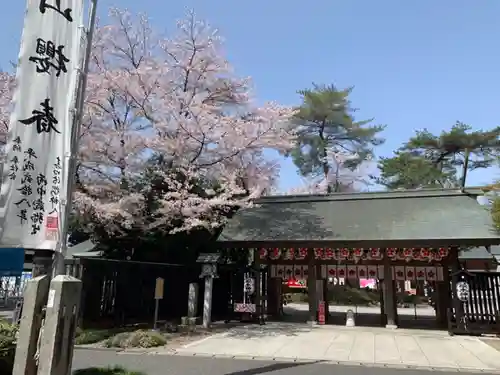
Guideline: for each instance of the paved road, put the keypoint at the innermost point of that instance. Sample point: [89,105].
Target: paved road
[176,365]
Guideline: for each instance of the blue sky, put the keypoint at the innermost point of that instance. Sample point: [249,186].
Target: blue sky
[414,64]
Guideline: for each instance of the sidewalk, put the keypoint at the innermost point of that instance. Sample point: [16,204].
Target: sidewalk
[360,345]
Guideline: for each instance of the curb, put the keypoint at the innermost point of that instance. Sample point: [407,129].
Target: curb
[98,348]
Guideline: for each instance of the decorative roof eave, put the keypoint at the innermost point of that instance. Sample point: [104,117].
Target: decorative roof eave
[399,243]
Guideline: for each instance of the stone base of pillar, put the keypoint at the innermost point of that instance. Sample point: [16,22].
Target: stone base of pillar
[312,322]
[391,326]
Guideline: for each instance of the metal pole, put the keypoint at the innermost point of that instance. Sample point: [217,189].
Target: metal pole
[59,256]
[157,307]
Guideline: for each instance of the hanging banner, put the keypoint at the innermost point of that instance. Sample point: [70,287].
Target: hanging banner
[34,180]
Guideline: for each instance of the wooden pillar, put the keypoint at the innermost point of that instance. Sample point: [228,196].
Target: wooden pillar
[320,289]
[325,298]
[258,289]
[455,268]
[383,318]
[389,287]
[273,297]
[311,287]
[442,298]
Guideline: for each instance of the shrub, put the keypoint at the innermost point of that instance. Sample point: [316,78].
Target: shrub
[92,336]
[137,339]
[8,335]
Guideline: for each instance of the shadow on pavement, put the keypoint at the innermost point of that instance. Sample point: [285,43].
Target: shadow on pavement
[270,329]
[364,319]
[271,368]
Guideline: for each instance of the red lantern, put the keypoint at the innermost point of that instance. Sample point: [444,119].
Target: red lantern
[275,253]
[318,253]
[302,253]
[329,254]
[443,252]
[391,252]
[358,253]
[289,254]
[416,254]
[375,253]
[425,253]
[263,253]
[344,253]
[408,253]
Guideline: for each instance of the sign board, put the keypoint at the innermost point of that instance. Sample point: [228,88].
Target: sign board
[11,261]
[159,288]
[463,291]
[321,312]
[245,307]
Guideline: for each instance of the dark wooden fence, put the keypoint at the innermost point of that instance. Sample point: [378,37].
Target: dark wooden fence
[116,293]
[480,313]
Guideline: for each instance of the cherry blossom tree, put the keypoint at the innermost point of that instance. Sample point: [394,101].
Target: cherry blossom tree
[343,176]
[174,108]
[6,92]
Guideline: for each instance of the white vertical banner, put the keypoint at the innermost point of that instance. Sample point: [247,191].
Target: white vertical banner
[34,180]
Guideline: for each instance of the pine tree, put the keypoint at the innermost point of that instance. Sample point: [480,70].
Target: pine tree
[461,147]
[429,160]
[326,127]
[406,170]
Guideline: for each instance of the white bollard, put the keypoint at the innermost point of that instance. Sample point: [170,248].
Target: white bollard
[349,321]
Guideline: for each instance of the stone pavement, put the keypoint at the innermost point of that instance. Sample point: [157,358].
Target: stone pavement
[181,365]
[358,345]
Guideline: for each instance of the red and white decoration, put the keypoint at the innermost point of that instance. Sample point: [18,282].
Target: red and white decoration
[362,272]
[410,273]
[289,272]
[421,254]
[357,254]
[372,272]
[399,273]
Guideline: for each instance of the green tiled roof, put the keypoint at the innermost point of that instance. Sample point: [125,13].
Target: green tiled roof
[402,218]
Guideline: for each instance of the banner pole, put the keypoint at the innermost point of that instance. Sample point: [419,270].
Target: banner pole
[60,255]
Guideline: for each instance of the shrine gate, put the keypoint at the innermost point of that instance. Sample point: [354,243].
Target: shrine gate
[388,236]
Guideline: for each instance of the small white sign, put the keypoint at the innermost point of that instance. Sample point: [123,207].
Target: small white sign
[463,291]
[52,296]
[249,285]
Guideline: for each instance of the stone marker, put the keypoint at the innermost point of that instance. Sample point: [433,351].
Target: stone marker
[193,300]
[61,317]
[349,321]
[35,296]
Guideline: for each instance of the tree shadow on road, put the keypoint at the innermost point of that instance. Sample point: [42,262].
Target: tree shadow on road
[271,368]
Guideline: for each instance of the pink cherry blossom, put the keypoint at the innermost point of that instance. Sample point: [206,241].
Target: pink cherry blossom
[342,178]
[178,97]
[6,95]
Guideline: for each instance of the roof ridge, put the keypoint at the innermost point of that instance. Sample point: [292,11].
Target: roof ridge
[417,193]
